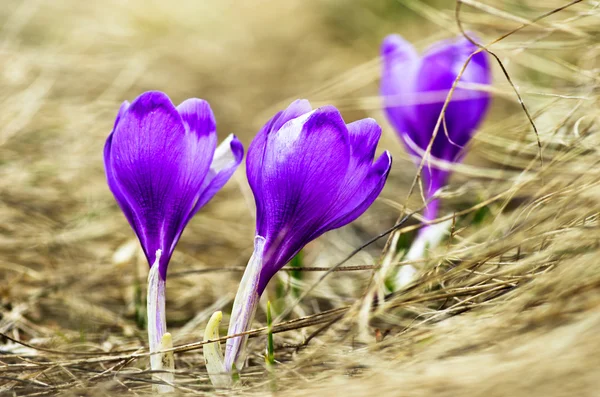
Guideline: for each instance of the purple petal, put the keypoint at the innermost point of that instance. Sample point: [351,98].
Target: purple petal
[156,161]
[228,156]
[396,46]
[120,197]
[364,135]
[440,67]
[364,180]
[296,109]
[198,118]
[124,106]
[361,195]
[400,64]
[256,150]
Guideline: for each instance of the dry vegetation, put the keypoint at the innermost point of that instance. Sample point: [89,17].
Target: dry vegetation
[509,306]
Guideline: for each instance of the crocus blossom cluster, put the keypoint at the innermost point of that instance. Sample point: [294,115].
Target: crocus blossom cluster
[310,172]
[414,88]
[162,164]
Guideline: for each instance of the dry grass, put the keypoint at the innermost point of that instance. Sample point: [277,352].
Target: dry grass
[508,306]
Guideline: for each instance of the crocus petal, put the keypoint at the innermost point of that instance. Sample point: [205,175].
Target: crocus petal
[364,135]
[157,159]
[122,109]
[120,197]
[401,49]
[228,156]
[256,150]
[439,68]
[364,179]
[296,109]
[290,186]
[365,193]
[198,118]
[400,64]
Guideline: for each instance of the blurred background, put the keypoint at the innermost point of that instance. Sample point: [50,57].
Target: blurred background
[72,277]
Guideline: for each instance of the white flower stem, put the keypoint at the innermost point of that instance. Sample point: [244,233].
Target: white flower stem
[428,238]
[244,308]
[157,329]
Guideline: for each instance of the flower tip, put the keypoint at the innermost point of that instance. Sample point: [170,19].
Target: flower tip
[149,102]
[294,110]
[237,147]
[393,44]
[389,160]
[467,45]
[383,165]
[459,47]
[301,103]
[373,126]
[198,116]
[389,43]
[324,115]
[124,107]
[153,94]
[151,99]
[228,154]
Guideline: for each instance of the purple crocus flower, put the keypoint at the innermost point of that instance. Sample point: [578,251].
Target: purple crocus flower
[310,172]
[163,164]
[414,89]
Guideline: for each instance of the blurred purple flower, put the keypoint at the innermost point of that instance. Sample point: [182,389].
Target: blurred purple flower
[162,164]
[310,173]
[414,89]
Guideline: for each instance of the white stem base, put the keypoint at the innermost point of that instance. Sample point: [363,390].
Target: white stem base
[157,329]
[244,308]
[429,238]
